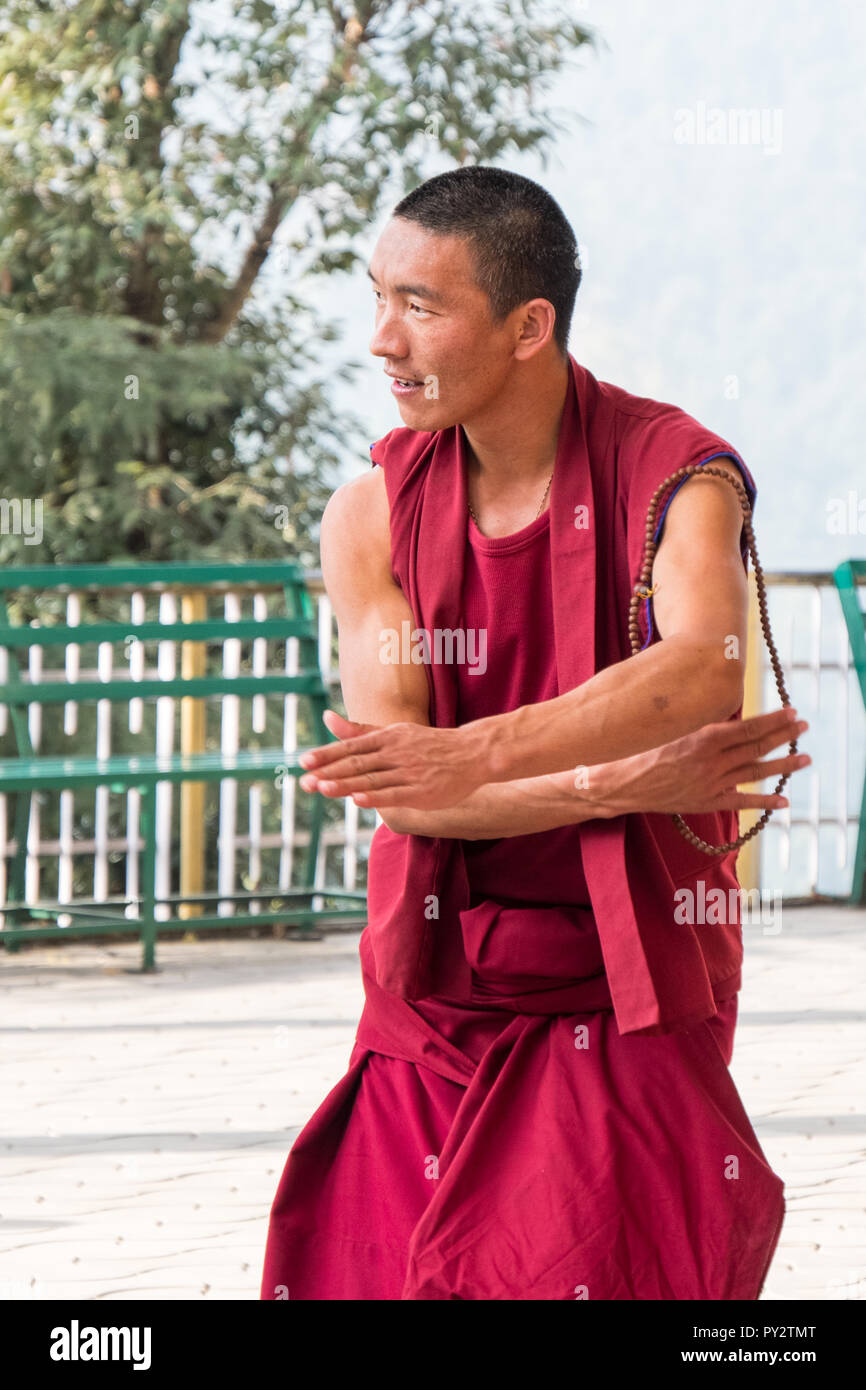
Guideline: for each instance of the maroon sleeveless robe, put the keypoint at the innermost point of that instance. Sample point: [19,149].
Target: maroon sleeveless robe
[502,1135]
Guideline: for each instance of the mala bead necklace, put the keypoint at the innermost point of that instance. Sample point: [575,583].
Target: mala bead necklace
[643,591]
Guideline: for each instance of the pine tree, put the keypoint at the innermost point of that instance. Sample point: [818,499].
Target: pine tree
[162,166]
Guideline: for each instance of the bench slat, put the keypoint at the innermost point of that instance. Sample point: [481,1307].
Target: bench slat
[59,692]
[24,774]
[212,574]
[210,630]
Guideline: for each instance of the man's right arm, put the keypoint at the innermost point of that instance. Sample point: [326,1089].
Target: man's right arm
[356,568]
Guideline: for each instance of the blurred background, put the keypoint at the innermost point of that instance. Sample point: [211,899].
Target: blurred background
[182,174]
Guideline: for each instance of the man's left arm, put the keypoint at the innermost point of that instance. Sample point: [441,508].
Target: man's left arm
[693,677]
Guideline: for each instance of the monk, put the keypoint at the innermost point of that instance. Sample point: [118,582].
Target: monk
[538,1104]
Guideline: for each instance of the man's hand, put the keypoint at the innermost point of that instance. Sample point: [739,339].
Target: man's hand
[392,765]
[701,772]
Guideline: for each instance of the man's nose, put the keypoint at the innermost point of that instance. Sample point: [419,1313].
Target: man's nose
[389,338]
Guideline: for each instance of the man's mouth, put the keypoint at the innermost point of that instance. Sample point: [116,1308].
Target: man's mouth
[404,385]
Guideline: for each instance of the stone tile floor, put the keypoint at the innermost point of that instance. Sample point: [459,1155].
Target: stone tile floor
[145,1119]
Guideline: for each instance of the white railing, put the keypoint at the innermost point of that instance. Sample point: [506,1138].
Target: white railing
[808,849]
[233,844]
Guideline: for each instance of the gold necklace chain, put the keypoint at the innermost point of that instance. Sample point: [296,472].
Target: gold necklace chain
[535,518]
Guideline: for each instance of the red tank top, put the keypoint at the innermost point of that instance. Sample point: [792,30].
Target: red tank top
[507,595]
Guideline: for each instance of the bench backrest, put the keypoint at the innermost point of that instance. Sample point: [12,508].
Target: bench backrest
[18,690]
[846,577]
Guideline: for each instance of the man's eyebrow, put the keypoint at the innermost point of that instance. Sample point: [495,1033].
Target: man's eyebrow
[421,291]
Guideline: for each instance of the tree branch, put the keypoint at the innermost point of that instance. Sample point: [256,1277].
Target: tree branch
[257,253]
[143,298]
[354,32]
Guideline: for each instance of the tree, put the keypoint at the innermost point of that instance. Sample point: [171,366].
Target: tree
[159,162]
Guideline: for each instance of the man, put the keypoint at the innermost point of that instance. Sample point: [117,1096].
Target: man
[538,1104]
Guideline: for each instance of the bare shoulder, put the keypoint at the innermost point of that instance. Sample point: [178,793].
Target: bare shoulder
[356,538]
[361,499]
[727,464]
[724,463]
[709,504]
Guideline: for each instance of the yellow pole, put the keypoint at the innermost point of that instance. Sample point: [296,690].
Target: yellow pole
[192,740]
[748,864]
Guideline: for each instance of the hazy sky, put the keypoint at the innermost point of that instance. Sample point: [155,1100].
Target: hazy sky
[725,259]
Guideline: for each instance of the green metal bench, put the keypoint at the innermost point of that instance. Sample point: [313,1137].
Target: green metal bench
[29,773]
[845,577]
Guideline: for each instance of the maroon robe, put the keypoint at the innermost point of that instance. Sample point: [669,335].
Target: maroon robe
[614,451]
[552,1115]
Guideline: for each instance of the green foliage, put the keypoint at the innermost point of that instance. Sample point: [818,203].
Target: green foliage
[174,177]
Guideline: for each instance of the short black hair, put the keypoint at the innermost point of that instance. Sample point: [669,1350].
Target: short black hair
[523,244]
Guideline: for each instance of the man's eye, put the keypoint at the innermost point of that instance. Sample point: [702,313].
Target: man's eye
[418,307]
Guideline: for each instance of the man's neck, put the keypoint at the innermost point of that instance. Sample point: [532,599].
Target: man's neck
[517,438]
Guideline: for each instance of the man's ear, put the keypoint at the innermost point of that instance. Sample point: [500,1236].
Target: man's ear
[535,320]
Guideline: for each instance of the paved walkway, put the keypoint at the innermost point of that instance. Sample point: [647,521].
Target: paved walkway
[146,1119]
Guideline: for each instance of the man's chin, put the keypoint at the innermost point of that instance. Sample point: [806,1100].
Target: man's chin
[425,415]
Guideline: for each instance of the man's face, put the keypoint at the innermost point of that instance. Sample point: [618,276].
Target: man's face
[434,328]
